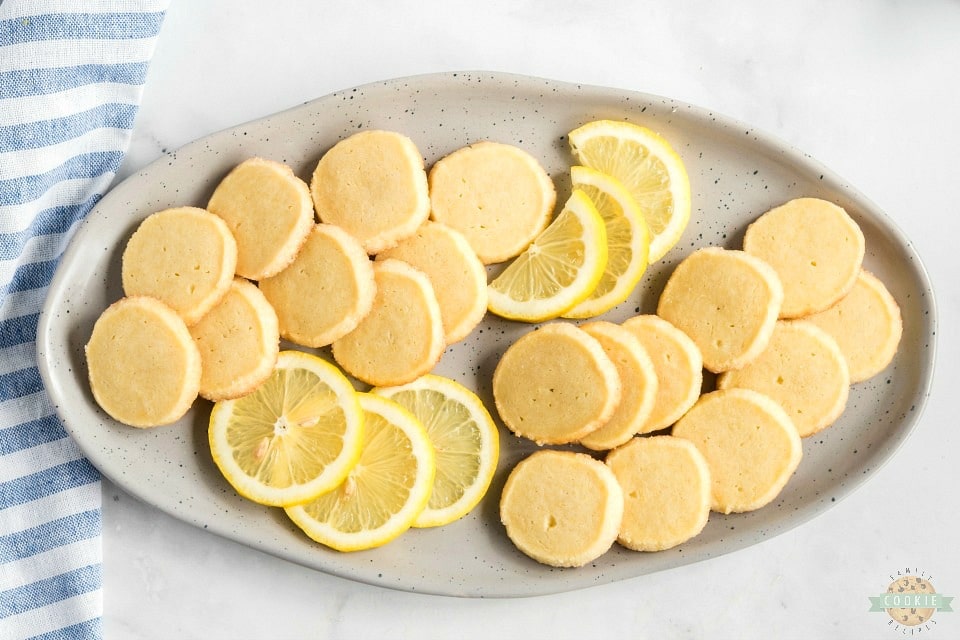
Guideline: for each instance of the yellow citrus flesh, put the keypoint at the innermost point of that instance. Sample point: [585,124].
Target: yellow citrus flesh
[464,437]
[386,490]
[293,437]
[558,270]
[628,241]
[648,167]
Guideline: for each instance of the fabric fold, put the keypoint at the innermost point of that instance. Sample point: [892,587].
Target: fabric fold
[71,79]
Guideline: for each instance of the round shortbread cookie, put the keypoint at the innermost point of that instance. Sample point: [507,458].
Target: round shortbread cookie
[457,275]
[867,326]
[666,491]
[269,212]
[143,365]
[402,337]
[750,445]
[184,257]
[727,301]
[677,364]
[239,341]
[638,385]
[555,385]
[816,249]
[372,184]
[497,195]
[562,508]
[326,291]
[802,369]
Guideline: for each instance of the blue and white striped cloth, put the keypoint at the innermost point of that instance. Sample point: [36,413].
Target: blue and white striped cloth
[71,77]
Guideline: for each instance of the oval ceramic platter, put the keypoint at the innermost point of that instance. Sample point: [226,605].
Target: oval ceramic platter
[736,174]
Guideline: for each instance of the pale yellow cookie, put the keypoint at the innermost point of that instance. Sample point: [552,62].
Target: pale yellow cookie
[144,367]
[666,491]
[803,370]
[867,326]
[239,341]
[184,257]
[555,385]
[726,301]
[372,184]
[269,212]
[562,508]
[677,364]
[326,291]
[497,195]
[402,337]
[638,384]
[457,275]
[751,447]
[816,249]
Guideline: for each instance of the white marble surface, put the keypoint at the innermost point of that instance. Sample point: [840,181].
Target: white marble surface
[869,88]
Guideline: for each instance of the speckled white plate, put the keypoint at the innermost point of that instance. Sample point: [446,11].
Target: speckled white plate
[736,173]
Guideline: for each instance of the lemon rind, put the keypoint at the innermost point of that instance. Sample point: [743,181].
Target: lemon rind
[640,244]
[660,243]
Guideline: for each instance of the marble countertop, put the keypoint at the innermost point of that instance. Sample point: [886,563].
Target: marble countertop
[868,88]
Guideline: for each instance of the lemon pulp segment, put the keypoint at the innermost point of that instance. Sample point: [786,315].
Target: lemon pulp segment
[558,270]
[648,167]
[465,440]
[384,492]
[295,436]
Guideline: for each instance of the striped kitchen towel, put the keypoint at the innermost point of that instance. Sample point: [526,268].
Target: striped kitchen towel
[71,76]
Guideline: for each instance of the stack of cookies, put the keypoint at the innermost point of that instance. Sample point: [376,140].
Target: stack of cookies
[600,385]
[192,322]
[352,261]
[788,324]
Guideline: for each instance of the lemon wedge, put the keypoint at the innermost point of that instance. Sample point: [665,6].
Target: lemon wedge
[465,440]
[384,493]
[558,270]
[648,167]
[628,241]
[293,437]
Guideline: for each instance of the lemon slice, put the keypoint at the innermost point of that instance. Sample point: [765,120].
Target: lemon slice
[385,491]
[648,167]
[628,241]
[558,270]
[293,437]
[464,437]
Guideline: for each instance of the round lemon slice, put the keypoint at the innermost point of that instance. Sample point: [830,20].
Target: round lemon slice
[292,438]
[464,437]
[628,241]
[558,270]
[383,494]
[648,167]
